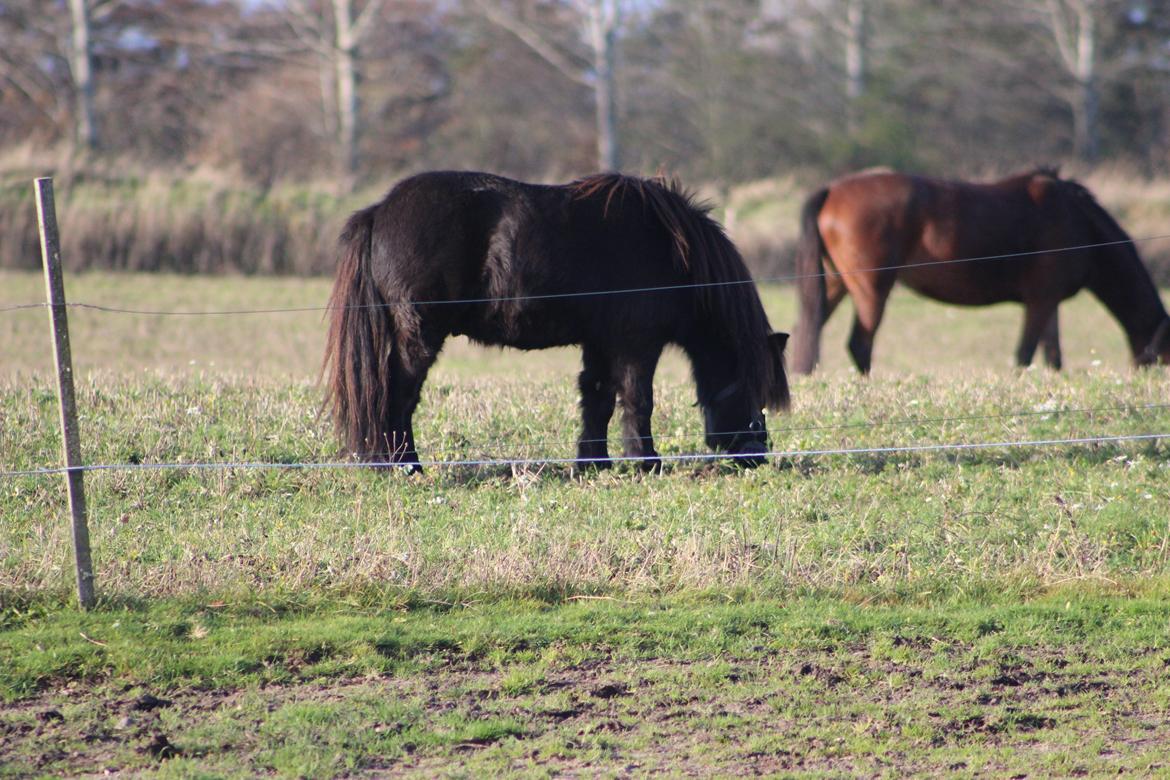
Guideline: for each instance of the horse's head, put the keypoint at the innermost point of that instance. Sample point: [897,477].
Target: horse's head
[733,416]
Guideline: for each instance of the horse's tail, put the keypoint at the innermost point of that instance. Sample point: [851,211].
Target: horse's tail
[359,346]
[810,285]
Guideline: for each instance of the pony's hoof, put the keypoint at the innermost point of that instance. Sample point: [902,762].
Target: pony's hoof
[406,469]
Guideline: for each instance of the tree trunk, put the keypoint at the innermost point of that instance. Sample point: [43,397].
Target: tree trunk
[85,128]
[344,62]
[1074,27]
[1086,131]
[603,21]
[856,62]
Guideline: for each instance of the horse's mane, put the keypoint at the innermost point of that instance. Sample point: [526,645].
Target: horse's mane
[1109,231]
[1121,280]
[1109,228]
[660,193]
[1025,177]
[724,288]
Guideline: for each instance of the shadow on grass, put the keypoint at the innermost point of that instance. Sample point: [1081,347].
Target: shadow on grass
[1013,458]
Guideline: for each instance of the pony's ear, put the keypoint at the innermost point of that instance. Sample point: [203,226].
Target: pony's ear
[778,341]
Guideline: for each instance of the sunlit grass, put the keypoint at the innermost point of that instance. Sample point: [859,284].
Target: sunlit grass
[898,526]
[917,336]
[992,611]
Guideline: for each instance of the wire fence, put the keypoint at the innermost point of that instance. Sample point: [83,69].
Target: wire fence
[552,461]
[905,422]
[1128,410]
[75,467]
[695,456]
[591,293]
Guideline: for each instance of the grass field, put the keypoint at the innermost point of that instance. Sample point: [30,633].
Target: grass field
[994,611]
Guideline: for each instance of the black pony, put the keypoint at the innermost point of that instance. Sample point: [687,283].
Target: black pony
[620,265]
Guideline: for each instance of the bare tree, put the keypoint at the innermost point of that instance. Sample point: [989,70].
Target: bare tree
[80,65]
[1074,27]
[603,18]
[335,33]
[856,60]
[837,33]
[47,57]
[598,22]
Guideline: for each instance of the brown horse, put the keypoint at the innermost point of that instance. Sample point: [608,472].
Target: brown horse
[1014,240]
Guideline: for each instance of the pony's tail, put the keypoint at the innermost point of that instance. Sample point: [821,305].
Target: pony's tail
[359,347]
[810,285]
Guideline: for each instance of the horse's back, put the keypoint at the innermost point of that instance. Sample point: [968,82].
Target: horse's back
[889,206]
[434,232]
[526,262]
[917,226]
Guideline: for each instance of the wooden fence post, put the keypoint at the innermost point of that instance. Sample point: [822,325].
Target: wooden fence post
[71,438]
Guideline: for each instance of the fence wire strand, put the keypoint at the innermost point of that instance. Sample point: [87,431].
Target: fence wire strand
[537,462]
[906,422]
[700,457]
[591,293]
[1129,409]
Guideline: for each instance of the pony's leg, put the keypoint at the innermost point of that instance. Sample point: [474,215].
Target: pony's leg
[406,380]
[636,390]
[597,403]
[1050,340]
[1039,316]
[400,445]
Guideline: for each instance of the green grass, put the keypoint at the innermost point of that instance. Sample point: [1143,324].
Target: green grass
[1058,686]
[987,611]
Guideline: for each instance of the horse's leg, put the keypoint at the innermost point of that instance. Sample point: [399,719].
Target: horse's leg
[597,404]
[834,294]
[869,303]
[1050,340]
[1039,316]
[407,373]
[636,390]
[407,389]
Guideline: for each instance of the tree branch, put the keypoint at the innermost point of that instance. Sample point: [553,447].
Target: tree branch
[362,25]
[1063,35]
[536,42]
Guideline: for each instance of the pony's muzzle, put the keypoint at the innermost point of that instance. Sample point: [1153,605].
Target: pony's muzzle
[751,454]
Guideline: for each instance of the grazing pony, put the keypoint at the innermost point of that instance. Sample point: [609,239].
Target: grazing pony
[620,265]
[862,232]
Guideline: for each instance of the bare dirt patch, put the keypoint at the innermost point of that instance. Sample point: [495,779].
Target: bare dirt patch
[825,712]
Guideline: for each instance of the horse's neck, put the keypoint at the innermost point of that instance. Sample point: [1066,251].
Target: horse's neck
[1122,283]
[712,366]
